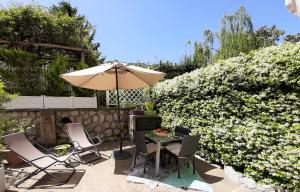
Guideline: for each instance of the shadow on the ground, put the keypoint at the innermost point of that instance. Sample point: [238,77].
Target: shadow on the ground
[122,167]
[46,182]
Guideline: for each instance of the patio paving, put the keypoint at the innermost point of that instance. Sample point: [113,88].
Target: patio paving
[107,175]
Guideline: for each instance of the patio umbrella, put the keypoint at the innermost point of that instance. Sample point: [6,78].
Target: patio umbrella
[114,76]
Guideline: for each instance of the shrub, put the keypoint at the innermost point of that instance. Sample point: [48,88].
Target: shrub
[247,111]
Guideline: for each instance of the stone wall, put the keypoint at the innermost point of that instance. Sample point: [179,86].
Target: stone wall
[102,122]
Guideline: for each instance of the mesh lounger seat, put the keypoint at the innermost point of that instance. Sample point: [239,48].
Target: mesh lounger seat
[21,145]
[81,140]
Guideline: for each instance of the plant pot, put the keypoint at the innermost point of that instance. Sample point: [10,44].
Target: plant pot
[150,113]
[137,112]
[11,157]
[2,179]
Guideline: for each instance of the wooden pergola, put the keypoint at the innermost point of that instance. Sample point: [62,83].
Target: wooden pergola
[82,51]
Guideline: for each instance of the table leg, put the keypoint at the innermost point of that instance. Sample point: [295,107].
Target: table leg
[157,160]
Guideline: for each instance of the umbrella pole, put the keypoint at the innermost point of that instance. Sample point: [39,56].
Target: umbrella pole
[119,122]
[120,155]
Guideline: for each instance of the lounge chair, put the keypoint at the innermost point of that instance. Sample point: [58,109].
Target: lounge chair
[185,151]
[81,140]
[21,145]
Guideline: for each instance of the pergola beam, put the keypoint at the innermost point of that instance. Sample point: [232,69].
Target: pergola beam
[49,45]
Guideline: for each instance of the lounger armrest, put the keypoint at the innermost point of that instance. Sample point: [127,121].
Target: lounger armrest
[42,158]
[76,143]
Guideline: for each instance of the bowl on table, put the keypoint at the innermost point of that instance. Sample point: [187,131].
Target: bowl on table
[160,133]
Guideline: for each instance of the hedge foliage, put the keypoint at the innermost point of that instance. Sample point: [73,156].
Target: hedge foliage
[247,111]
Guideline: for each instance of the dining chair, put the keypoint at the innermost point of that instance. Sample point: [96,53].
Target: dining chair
[142,148]
[184,152]
[181,131]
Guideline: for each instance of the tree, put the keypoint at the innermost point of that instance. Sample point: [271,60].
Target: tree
[267,36]
[56,85]
[64,8]
[236,35]
[21,71]
[292,38]
[61,24]
[4,96]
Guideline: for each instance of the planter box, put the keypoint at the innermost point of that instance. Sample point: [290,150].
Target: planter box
[150,113]
[2,179]
[11,157]
[136,112]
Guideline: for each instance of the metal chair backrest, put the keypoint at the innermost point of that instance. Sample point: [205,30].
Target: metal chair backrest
[76,133]
[20,144]
[181,131]
[140,141]
[189,145]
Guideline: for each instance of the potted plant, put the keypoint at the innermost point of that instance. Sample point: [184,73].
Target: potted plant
[149,105]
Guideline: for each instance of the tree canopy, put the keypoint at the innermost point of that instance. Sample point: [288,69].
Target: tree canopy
[60,24]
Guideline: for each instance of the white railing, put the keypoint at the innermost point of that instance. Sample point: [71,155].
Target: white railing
[49,102]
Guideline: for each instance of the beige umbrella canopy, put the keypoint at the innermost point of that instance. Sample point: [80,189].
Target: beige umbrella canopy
[103,77]
[114,76]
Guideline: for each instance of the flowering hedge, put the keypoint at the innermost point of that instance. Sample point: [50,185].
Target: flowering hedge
[247,111]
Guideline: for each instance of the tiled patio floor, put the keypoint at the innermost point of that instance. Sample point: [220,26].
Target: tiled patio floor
[107,175]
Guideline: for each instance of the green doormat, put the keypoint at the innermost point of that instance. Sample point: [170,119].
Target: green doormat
[168,177]
[188,180]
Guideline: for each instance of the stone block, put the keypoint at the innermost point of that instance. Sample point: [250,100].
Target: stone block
[113,125]
[116,118]
[92,113]
[87,121]
[90,127]
[116,131]
[81,112]
[108,132]
[95,118]
[85,116]
[101,136]
[109,118]
[74,113]
[98,129]
[106,125]
[79,119]
[101,118]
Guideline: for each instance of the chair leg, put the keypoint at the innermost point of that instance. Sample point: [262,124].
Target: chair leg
[188,164]
[178,167]
[164,158]
[169,159]
[134,162]
[194,171]
[146,160]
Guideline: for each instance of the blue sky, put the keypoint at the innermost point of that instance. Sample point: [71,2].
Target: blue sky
[153,30]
